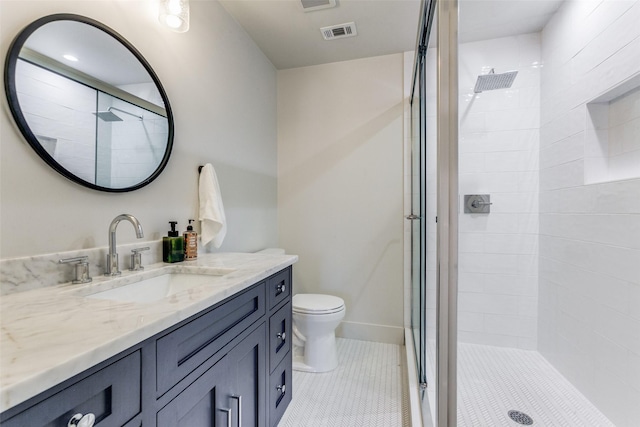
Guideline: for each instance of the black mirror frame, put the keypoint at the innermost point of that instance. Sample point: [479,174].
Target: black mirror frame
[14,105]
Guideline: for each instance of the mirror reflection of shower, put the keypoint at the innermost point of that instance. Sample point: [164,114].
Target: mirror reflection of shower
[76,129]
[110,116]
[130,141]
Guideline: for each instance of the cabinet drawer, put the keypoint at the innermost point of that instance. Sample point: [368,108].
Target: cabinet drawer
[279,287]
[112,394]
[181,351]
[280,390]
[279,336]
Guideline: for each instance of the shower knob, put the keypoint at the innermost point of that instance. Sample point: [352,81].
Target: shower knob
[477,203]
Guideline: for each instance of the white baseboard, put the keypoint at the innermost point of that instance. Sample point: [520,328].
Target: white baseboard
[371,332]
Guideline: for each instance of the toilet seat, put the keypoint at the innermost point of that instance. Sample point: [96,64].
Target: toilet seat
[317,304]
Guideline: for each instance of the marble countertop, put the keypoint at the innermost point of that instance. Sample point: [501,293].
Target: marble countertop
[48,335]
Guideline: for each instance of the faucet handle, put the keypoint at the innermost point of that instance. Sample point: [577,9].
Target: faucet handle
[81,268]
[136,258]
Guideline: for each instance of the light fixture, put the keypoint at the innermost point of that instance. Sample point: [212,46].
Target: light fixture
[175,14]
[70,57]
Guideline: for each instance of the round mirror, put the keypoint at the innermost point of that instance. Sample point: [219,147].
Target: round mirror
[88,103]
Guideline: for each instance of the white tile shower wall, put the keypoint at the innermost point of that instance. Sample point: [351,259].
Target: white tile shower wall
[589,296]
[499,145]
[131,140]
[58,108]
[623,138]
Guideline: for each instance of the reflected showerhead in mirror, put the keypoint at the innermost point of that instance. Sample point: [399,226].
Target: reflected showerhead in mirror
[493,81]
[110,116]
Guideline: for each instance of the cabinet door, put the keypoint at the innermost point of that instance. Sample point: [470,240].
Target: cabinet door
[249,374]
[280,390]
[280,336]
[205,403]
[230,393]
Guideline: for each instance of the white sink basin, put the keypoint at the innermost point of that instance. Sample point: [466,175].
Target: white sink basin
[160,287]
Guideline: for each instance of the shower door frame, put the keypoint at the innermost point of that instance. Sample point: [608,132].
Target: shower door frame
[446,12]
[447,229]
[418,196]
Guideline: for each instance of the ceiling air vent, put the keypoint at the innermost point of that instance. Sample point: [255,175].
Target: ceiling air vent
[339,31]
[310,5]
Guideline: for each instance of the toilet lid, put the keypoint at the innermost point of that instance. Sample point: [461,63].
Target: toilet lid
[317,304]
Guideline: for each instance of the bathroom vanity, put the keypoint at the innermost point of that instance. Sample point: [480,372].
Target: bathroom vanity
[216,353]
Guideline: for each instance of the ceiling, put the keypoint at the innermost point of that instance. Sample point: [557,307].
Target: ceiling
[291,37]
[100,55]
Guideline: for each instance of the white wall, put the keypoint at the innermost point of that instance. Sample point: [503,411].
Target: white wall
[499,138]
[223,93]
[589,308]
[340,187]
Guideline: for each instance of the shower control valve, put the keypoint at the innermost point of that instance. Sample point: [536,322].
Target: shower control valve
[477,203]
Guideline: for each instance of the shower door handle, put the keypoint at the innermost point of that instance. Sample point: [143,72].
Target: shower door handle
[413,217]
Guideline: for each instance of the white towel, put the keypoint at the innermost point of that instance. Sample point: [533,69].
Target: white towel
[213,223]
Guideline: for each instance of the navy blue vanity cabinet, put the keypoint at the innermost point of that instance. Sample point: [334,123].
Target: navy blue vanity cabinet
[112,394]
[279,288]
[280,390]
[280,337]
[182,350]
[230,393]
[229,365]
[248,371]
[203,403]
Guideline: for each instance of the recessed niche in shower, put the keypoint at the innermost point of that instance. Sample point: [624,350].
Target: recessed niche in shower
[612,135]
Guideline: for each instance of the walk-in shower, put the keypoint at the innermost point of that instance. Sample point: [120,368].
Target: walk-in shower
[528,314]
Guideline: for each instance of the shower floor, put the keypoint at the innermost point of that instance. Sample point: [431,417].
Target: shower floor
[495,380]
[367,389]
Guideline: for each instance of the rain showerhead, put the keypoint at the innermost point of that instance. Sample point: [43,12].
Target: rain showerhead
[493,81]
[110,116]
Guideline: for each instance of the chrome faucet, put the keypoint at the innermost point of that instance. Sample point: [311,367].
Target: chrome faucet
[112,257]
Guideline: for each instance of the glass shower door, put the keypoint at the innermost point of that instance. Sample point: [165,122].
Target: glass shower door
[418,308]
[424,204]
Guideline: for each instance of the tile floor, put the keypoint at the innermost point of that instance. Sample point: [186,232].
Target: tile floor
[367,389]
[494,380]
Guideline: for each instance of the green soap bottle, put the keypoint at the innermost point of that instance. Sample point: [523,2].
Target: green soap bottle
[173,245]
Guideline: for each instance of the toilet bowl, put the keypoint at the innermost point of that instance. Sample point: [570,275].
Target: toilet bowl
[315,319]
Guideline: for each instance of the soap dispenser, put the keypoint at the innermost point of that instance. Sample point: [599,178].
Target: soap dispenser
[173,245]
[190,242]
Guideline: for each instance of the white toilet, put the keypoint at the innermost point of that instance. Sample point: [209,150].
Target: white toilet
[315,319]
